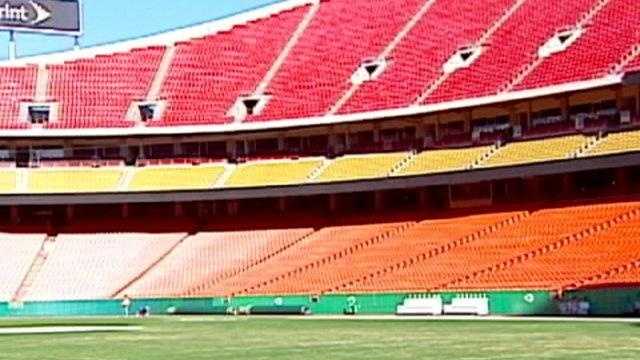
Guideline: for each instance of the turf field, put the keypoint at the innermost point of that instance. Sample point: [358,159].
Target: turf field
[252,338]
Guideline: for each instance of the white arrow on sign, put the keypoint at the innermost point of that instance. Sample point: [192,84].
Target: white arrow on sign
[42,14]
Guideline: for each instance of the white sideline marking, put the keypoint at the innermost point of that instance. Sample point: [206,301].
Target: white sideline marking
[65,329]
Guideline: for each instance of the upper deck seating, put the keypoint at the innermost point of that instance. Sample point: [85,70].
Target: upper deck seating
[417,61]
[341,35]
[17,84]
[511,47]
[208,74]
[98,92]
[610,36]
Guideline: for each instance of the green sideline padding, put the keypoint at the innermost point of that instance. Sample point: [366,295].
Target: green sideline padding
[603,302]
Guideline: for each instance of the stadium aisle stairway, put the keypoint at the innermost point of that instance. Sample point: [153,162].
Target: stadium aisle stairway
[17,253]
[207,257]
[95,266]
[315,250]
[511,47]
[542,229]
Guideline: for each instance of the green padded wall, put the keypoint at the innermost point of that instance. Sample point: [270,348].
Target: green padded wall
[501,303]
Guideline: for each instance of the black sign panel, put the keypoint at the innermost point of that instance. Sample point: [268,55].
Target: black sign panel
[45,16]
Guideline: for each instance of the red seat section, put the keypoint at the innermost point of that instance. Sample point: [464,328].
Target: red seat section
[418,59]
[342,34]
[592,56]
[208,74]
[17,84]
[97,92]
[207,257]
[511,47]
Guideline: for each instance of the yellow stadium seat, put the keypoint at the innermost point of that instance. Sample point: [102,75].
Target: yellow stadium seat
[361,167]
[272,173]
[617,143]
[175,178]
[7,181]
[435,161]
[74,180]
[525,152]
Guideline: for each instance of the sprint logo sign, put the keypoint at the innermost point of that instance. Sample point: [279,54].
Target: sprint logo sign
[48,16]
[31,14]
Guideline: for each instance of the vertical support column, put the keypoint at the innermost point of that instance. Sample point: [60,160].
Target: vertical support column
[178,210]
[69,213]
[232,151]
[423,198]
[378,201]
[281,144]
[564,107]
[124,211]
[15,215]
[533,187]
[568,185]
[622,180]
[282,204]
[468,116]
[232,207]
[13,47]
[638,102]
[333,203]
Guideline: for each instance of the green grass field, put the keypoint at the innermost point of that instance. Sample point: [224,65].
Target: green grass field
[254,338]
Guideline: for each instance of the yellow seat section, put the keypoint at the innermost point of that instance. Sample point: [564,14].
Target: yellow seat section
[74,180]
[536,151]
[7,181]
[175,178]
[435,161]
[617,143]
[272,173]
[361,167]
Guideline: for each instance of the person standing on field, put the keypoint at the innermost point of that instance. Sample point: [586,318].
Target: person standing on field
[126,305]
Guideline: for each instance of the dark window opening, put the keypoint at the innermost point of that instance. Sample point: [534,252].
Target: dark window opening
[147,112]
[250,105]
[39,114]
